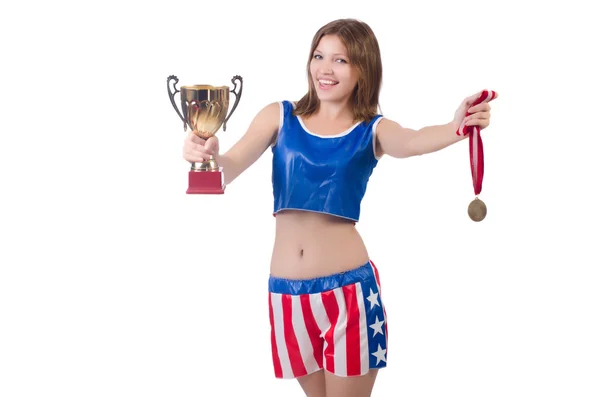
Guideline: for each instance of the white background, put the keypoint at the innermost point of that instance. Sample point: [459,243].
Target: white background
[114,282]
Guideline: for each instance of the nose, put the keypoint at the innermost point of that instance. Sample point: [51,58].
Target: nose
[326,69]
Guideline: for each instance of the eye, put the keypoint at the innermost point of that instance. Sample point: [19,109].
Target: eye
[317,56]
[341,60]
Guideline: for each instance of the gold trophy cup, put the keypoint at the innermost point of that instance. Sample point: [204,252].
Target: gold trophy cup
[204,110]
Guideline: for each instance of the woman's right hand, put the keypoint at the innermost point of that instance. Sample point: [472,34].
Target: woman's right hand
[197,150]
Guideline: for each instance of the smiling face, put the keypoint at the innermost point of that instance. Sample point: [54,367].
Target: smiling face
[332,74]
[343,67]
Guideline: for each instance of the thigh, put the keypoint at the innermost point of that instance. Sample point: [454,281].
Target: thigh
[352,386]
[313,385]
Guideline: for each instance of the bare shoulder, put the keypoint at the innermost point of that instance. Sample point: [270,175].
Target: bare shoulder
[268,116]
[392,139]
[387,126]
[260,134]
[264,126]
[272,109]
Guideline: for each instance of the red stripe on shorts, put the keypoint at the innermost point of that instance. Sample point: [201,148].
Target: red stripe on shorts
[291,341]
[352,331]
[276,363]
[332,310]
[312,328]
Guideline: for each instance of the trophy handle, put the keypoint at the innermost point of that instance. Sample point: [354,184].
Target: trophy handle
[172,96]
[238,95]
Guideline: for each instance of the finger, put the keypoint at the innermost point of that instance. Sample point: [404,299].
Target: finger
[479,96]
[479,115]
[195,155]
[195,138]
[201,149]
[204,149]
[480,122]
[212,139]
[482,107]
[190,146]
[473,98]
[196,150]
[211,145]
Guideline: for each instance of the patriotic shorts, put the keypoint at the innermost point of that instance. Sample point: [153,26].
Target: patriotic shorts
[336,322]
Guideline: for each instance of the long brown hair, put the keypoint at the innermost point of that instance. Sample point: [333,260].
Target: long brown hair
[364,54]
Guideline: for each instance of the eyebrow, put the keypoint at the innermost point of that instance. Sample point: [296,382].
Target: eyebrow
[339,53]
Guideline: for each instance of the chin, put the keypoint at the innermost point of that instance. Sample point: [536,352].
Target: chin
[331,96]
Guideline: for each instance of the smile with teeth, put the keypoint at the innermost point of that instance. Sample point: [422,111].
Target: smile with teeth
[328,82]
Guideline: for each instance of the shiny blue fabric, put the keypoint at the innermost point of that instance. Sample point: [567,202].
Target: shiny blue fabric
[321,174]
[321,284]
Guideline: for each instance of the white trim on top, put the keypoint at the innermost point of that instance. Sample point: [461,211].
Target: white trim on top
[315,211]
[375,138]
[281,110]
[349,130]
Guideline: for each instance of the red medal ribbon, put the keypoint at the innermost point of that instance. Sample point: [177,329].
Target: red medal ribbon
[475,142]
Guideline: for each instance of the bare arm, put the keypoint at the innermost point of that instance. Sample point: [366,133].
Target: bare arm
[397,141]
[400,142]
[259,136]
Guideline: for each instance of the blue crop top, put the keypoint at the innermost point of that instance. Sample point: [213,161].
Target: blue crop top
[326,174]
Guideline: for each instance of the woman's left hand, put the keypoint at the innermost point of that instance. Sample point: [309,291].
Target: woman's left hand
[473,115]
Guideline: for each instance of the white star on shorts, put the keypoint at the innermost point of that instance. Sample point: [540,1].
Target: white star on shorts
[373,298]
[377,326]
[380,354]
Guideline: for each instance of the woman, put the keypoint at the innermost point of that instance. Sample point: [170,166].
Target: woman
[328,321]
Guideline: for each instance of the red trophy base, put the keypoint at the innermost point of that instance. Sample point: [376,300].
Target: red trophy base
[205,182]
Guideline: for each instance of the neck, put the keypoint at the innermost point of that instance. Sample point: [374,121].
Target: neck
[335,110]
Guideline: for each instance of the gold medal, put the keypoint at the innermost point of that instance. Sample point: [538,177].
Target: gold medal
[477,210]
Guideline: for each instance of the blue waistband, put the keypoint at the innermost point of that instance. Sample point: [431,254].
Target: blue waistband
[320,284]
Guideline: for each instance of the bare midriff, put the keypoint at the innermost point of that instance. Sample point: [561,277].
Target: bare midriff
[309,244]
